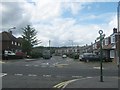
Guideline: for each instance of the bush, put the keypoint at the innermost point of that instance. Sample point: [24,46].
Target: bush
[36,55]
[74,56]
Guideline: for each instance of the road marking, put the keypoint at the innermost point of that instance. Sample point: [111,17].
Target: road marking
[3,74]
[45,63]
[61,65]
[76,76]
[29,59]
[97,67]
[63,84]
[59,85]
[27,65]
[18,74]
[89,77]
[32,75]
[36,65]
[2,62]
[46,75]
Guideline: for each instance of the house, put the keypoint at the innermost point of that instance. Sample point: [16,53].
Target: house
[10,42]
[109,45]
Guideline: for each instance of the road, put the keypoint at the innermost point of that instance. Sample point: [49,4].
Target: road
[42,73]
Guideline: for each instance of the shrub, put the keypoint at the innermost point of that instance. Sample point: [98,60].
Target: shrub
[36,55]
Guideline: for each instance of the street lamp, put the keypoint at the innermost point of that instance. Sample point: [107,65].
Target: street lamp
[11,28]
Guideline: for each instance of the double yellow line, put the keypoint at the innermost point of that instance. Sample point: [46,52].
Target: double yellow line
[65,83]
[60,85]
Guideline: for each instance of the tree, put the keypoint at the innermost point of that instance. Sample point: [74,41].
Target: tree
[29,39]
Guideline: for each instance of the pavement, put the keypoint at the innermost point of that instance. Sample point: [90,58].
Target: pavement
[93,82]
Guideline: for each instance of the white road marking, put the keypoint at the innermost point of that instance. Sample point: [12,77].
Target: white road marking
[2,62]
[27,65]
[76,76]
[89,77]
[3,74]
[32,75]
[36,65]
[18,74]
[46,75]
[97,67]
[45,63]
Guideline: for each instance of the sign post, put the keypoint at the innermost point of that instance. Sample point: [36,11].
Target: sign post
[101,71]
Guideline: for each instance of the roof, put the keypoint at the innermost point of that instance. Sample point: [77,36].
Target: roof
[6,36]
[108,46]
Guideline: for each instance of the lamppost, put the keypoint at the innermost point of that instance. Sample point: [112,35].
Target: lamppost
[49,46]
[118,36]
[11,28]
[101,72]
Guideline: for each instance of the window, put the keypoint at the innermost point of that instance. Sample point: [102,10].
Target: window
[112,54]
[113,39]
[106,41]
[15,43]
[12,42]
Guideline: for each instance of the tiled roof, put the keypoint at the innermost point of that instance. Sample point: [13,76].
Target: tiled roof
[7,36]
[108,46]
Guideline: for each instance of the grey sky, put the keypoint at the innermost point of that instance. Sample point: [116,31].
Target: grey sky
[60,22]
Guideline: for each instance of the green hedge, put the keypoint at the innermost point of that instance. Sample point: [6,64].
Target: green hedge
[36,55]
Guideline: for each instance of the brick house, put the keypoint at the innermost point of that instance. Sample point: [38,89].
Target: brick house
[109,45]
[10,42]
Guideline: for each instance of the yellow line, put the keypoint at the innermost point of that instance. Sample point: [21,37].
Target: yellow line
[60,84]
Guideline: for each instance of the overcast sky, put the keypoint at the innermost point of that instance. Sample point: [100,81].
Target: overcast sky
[64,22]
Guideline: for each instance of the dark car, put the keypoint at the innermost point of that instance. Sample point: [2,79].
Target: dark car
[46,54]
[90,57]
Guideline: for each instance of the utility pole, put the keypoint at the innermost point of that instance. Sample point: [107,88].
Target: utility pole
[49,46]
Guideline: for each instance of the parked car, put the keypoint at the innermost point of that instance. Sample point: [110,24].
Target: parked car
[64,56]
[90,57]
[80,57]
[46,54]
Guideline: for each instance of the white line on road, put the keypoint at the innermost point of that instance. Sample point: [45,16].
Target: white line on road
[46,75]
[3,74]
[76,76]
[18,74]
[97,67]
[32,75]
[36,65]
[27,65]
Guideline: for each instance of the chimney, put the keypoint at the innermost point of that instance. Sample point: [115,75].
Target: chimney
[10,32]
[114,30]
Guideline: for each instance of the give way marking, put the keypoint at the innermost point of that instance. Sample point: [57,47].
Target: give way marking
[3,74]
